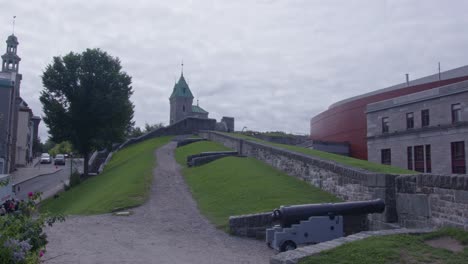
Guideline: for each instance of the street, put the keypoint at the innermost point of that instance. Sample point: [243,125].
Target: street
[48,179]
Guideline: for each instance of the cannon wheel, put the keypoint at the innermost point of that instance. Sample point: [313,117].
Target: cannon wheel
[288,245]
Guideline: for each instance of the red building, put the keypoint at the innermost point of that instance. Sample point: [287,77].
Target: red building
[345,121]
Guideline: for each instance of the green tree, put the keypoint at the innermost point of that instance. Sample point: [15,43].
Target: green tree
[134,132]
[48,145]
[63,147]
[86,100]
[37,146]
[149,128]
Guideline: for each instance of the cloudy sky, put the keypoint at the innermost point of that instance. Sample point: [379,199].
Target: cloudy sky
[270,64]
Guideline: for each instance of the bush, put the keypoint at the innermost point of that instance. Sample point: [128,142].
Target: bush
[75,179]
[22,239]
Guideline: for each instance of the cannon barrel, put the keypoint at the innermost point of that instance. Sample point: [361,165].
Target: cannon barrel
[293,214]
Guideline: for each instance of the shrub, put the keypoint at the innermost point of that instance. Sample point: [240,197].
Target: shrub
[22,239]
[75,179]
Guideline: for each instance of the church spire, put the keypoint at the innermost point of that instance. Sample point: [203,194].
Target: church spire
[14,18]
[10,60]
[182,68]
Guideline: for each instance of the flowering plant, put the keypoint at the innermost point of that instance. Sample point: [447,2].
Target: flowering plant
[22,239]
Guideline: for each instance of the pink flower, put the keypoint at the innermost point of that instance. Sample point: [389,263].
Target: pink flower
[30,194]
[41,253]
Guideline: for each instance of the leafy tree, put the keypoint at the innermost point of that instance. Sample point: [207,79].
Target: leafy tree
[63,147]
[48,145]
[86,100]
[134,132]
[37,146]
[149,128]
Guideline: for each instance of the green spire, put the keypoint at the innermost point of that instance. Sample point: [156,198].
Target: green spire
[181,89]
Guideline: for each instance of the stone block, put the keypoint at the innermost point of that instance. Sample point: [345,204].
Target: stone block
[461,196]
[413,204]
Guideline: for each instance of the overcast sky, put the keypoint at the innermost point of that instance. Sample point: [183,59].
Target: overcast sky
[270,64]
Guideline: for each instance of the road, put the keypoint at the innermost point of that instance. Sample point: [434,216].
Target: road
[49,183]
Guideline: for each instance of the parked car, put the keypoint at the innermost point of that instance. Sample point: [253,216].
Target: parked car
[45,158]
[59,159]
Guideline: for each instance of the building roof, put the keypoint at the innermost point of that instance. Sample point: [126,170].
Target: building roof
[198,109]
[181,89]
[450,74]
[12,39]
[447,90]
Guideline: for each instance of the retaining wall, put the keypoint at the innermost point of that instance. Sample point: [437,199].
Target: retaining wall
[189,125]
[428,200]
[345,182]
[413,201]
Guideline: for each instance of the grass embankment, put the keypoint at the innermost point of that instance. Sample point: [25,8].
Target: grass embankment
[236,186]
[395,249]
[125,182]
[363,164]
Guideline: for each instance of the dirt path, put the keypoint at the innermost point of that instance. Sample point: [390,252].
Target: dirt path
[166,229]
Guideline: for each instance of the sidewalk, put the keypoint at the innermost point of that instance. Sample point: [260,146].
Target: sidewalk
[26,173]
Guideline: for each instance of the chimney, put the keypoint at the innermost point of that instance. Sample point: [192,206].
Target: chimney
[407,79]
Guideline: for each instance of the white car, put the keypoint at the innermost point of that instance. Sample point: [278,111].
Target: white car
[45,158]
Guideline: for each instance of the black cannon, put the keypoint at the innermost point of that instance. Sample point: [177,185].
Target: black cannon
[315,223]
[293,214]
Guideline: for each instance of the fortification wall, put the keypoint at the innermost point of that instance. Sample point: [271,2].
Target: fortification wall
[428,200]
[189,125]
[412,201]
[345,182]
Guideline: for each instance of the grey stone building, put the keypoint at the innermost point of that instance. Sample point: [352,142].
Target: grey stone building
[18,126]
[425,131]
[10,81]
[181,103]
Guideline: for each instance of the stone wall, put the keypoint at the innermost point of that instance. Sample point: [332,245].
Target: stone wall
[253,225]
[189,125]
[428,200]
[412,201]
[347,183]
[286,139]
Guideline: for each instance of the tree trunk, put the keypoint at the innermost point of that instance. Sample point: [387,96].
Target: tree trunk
[85,165]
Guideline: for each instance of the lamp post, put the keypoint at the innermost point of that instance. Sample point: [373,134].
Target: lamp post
[71,164]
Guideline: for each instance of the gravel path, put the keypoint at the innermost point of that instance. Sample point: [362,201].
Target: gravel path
[166,229]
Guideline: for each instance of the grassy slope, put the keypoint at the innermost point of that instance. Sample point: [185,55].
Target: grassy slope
[395,249]
[363,164]
[125,182]
[234,186]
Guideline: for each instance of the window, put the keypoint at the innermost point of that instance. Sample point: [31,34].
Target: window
[458,157]
[386,156]
[409,120]
[419,158]
[385,125]
[425,118]
[456,113]
[428,159]
[183,108]
[409,154]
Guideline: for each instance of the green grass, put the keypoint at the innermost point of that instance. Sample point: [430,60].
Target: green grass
[236,186]
[363,164]
[395,249]
[125,182]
